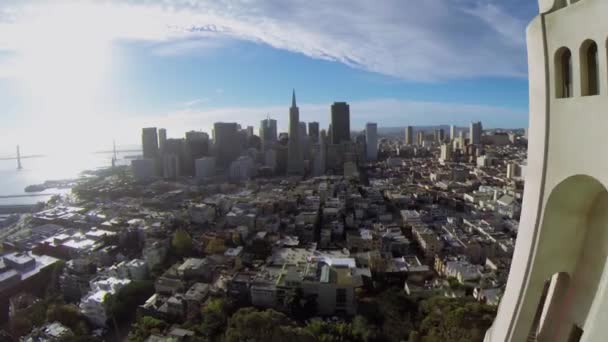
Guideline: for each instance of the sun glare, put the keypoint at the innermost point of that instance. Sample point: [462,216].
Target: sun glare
[61,64]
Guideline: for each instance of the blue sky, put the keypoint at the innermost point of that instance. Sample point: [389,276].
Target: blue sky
[90,72]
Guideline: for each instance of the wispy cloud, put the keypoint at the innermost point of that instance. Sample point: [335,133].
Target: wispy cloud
[412,40]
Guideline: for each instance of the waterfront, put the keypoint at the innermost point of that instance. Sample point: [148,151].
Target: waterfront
[49,167]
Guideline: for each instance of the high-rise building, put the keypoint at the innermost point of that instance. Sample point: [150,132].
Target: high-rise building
[321,163]
[452,132]
[162,138]
[295,164]
[475,133]
[409,135]
[149,142]
[439,135]
[226,144]
[340,122]
[249,131]
[304,141]
[204,167]
[371,141]
[197,146]
[420,138]
[446,152]
[313,131]
[557,289]
[268,130]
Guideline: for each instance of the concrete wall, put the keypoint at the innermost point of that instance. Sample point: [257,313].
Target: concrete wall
[564,222]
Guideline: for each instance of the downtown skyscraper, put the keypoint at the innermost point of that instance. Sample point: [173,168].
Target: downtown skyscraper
[340,122]
[409,135]
[295,165]
[371,141]
[475,133]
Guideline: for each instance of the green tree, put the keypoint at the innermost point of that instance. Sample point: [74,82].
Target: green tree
[122,304]
[68,315]
[145,326]
[215,317]
[182,243]
[249,324]
[455,319]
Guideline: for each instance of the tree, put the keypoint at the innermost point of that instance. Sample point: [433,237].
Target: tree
[250,324]
[300,306]
[455,319]
[214,317]
[68,315]
[145,326]
[182,243]
[123,303]
[215,246]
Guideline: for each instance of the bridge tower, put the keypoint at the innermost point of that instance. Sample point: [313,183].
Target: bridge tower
[19,166]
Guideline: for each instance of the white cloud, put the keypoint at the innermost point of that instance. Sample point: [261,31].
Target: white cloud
[412,40]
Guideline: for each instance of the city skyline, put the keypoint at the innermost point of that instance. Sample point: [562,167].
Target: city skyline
[190,66]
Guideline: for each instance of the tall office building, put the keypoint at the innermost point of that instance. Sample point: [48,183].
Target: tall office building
[340,122]
[304,142]
[313,131]
[197,146]
[452,132]
[162,138]
[149,142]
[409,135]
[420,138]
[371,141]
[446,152]
[268,129]
[439,135]
[295,163]
[475,133]
[557,288]
[226,142]
[323,141]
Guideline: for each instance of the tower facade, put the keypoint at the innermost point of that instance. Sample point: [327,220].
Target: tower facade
[475,133]
[371,141]
[149,142]
[558,283]
[313,131]
[268,132]
[226,143]
[295,164]
[340,122]
[162,138]
[409,135]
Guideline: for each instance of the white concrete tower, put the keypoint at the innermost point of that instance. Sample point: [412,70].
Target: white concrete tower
[558,284]
[295,166]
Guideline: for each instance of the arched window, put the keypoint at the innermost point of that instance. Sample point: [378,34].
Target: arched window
[590,78]
[563,73]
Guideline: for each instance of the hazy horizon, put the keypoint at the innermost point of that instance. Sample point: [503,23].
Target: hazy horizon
[76,76]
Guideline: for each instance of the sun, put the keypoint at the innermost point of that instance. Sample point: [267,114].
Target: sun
[62,59]
[61,66]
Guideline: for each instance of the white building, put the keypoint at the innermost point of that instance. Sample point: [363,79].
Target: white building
[558,282]
[143,169]
[446,152]
[171,169]
[92,305]
[242,169]
[204,167]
